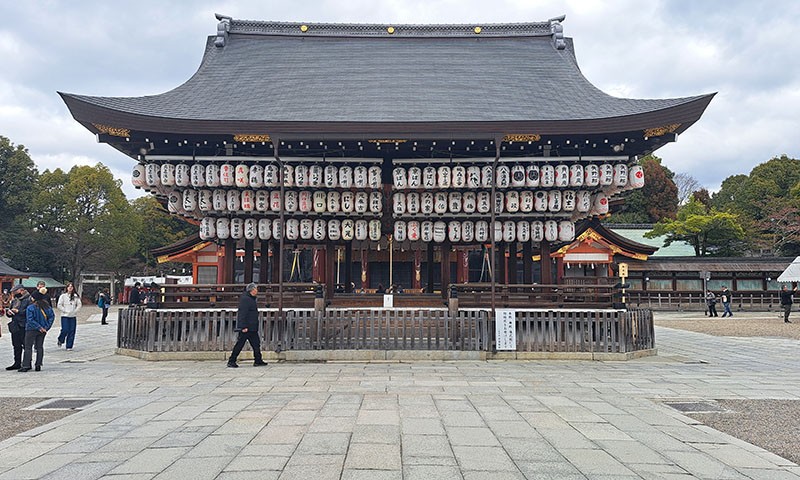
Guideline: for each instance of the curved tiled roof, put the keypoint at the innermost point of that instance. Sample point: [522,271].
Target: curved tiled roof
[271,73]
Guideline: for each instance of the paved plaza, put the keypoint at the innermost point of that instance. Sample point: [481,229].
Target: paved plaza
[427,420]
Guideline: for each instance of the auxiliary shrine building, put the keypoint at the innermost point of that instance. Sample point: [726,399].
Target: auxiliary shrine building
[387,154]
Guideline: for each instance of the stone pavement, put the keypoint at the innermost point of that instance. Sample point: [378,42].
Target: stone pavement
[426,420]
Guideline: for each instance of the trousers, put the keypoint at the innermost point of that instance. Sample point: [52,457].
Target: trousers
[68,327]
[33,339]
[255,344]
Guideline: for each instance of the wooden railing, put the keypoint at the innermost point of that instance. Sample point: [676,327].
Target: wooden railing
[296,295]
[754,300]
[187,330]
[478,295]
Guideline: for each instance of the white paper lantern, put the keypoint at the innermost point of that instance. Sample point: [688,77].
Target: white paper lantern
[275,201]
[197,172]
[334,230]
[583,201]
[362,202]
[375,229]
[484,202]
[426,203]
[290,201]
[443,176]
[306,229]
[264,233]
[219,200]
[288,176]
[334,201]
[398,203]
[223,228]
[498,231]
[360,176]
[439,231]
[429,177]
[518,176]
[440,202]
[242,176]
[468,231]
[499,202]
[361,229]
[320,228]
[271,176]
[426,231]
[374,177]
[523,231]
[561,178]
[554,200]
[568,198]
[503,176]
[606,174]
[399,231]
[292,229]
[345,176]
[601,203]
[454,202]
[375,202]
[551,230]
[399,178]
[208,229]
[481,231]
[473,176]
[256,177]
[234,202]
[190,200]
[248,201]
[509,231]
[204,200]
[183,177]
[305,201]
[540,201]
[512,201]
[591,175]
[277,229]
[167,175]
[250,228]
[620,175]
[227,175]
[348,202]
[526,201]
[174,202]
[320,201]
[348,227]
[315,179]
[262,200]
[547,176]
[566,231]
[576,175]
[212,175]
[331,176]
[487,176]
[151,174]
[138,176]
[412,203]
[470,201]
[537,231]
[636,176]
[454,231]
[300,180]
[532,175]
[459,177]
[413,230]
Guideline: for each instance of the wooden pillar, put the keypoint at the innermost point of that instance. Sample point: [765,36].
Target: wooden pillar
[501,263]
[330,270]
[318,265]
[364,268]
[249,250]
[348,267]
[560,271]
[445,267]
[527,263]
[274,259]
[546,263]
[230,258]
[263,272]
[512,262]
[429,287]
[416,276]
[462,266]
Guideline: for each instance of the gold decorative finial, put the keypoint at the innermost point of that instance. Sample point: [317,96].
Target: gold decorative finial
[303,28]
[390,30]
[477,29]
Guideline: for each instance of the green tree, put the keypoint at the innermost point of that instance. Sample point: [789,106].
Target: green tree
[657,200]
[162,229]
[18,176]
[708,230]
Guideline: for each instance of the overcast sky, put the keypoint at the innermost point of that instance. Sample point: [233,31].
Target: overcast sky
[747,51]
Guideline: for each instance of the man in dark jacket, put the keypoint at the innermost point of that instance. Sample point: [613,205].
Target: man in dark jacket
[786,302]
[247,326]
[19,304]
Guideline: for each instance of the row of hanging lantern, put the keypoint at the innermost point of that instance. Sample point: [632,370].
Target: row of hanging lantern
[305,201]
[525,201]
[618,175]
[348,229]
[151,176]
[468,231]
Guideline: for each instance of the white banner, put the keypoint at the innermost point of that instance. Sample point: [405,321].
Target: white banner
[505,329]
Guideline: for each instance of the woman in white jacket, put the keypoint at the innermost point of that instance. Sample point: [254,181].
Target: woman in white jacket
[68,305]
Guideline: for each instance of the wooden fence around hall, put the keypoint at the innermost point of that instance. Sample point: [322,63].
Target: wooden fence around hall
[213,330]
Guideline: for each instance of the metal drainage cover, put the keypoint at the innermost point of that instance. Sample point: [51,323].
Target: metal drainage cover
[65,404]
[696,407]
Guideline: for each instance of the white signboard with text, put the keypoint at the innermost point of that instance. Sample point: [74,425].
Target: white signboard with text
[505,329]
[388,301]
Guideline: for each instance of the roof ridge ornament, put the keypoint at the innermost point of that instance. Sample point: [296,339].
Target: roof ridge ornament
[558,32]
[223,27]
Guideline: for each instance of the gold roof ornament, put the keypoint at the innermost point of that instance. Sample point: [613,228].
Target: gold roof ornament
[522,137]
[113,131]
[663,130]
[251,137]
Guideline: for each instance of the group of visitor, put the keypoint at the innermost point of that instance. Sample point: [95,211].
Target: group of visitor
[712,300]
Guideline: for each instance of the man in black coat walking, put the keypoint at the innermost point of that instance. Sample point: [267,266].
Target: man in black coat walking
[247,326]
[786,302]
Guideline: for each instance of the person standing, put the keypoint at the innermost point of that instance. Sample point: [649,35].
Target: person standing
[247,326]
[20,299]
[103,301]
[68,304]
[39,318]
[725,296]
[135,297]
[711,302]
[786,302]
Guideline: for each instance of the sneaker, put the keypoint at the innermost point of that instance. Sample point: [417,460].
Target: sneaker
[13,367]
[68,349]
[232,365]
